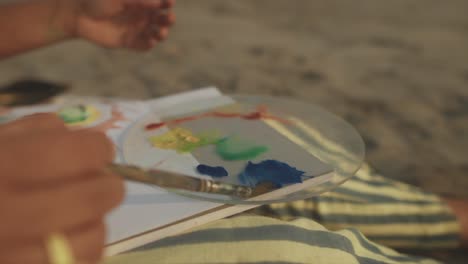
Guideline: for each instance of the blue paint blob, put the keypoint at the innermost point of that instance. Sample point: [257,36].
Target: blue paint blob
[215,172]
[279,173]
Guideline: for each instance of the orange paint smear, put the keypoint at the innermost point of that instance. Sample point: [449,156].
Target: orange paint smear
[261,113]
[116,116]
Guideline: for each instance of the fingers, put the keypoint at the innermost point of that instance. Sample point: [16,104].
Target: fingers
[26,252]
[156,14]
[164,19]
[163,22]
[36,123]
[61,207]
[135,38]
[160,4]
[53,179]
[150,39]
[54,155]
[168,3]
[86,242]
[156,30]
[146,23]
[162,34]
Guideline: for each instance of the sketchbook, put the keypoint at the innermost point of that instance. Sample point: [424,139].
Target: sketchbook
[150,213]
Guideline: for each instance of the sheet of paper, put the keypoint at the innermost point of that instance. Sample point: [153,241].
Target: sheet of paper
[147,207]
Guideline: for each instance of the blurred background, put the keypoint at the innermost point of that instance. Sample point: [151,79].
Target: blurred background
[397,70]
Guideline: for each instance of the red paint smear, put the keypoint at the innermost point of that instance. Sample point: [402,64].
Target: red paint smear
[185,119]
[159,163]
[224,115]
[253,116]
[261,113]
[154,126]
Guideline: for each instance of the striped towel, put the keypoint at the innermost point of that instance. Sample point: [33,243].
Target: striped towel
[388,212]
[261,240]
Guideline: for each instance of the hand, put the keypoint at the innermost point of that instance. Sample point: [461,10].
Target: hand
[134,24]
[54,180]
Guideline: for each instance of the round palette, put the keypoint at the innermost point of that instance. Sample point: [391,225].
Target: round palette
[299,149]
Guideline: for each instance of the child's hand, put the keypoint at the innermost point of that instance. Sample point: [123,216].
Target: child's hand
[134,24]
[53,180]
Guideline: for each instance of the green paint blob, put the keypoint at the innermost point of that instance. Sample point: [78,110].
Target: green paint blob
[73,114]
[205,140]
[233,148]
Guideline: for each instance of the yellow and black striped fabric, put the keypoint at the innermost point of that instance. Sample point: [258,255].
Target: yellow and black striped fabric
[262,240]
[388,212]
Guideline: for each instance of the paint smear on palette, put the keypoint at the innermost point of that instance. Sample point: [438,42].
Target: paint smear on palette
[215,172]
[234,148]
[260,113]
[276,172]
[111,123]
[79,115]
[183,140]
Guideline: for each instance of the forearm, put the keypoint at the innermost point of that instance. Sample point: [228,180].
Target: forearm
[26,25]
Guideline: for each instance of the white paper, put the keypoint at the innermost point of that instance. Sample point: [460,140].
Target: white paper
[147,207]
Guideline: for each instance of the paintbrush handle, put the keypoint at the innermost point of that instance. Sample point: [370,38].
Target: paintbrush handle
[172,180]
[226,188]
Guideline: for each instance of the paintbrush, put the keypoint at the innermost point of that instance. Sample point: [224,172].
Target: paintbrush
[171,180]
[28,92]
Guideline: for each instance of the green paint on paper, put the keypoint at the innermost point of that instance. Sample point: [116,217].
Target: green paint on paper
[73,114]
[233,148]
[183,140]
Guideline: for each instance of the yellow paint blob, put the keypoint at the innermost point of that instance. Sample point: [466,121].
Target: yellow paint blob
[182,140]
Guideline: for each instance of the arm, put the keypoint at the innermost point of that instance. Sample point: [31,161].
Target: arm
[25,25]
[134,24]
